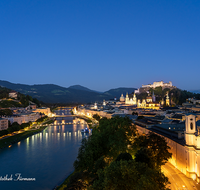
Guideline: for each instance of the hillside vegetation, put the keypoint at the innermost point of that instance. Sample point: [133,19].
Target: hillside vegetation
[21,101]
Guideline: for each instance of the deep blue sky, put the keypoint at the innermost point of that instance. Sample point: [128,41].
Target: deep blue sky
[100,44]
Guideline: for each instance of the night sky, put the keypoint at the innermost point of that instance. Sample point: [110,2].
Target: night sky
[100,44]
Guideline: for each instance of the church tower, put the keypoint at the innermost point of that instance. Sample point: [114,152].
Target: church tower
[167,99]
[127,99]
[138,104]
[134,99]
[153,97]
[162,102]
[190,129]
[95,105]
[143,103]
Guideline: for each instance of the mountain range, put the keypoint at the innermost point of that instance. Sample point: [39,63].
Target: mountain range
[51,93]
[195,91]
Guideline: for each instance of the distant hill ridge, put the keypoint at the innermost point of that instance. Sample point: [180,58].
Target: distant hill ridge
[51,93]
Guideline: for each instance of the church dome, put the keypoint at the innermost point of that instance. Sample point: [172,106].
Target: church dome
[122,99]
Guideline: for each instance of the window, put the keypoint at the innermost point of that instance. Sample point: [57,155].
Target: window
[191,126]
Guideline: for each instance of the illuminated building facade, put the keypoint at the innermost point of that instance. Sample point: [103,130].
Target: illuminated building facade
[3,124]
[185,152]
[148,103]
[130,101]
[13,94]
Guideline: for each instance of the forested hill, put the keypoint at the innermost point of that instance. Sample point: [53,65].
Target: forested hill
[50,93]
[21,101]
[177,96]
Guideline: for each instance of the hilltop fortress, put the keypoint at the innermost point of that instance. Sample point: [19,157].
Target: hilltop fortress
[145,88]
[150,101]
[157,84]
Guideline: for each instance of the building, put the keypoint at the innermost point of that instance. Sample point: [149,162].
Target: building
[167,99]
[13,94]
[90,112]
[3,124]
[145,88]
[148,103]
[130,101]
[45,111]
[158,84]
[104,103]
[122,99]
[185,152]
[24,118]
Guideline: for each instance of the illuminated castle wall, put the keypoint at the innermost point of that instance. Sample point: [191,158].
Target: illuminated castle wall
[157,84]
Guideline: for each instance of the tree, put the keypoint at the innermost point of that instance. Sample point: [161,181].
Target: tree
[108,140]
[158,149]
[96,116]
[134,113]
[14,127]
[77,181]
[143,155]
[104,160]
[124,156]
[129,175]
[6,112]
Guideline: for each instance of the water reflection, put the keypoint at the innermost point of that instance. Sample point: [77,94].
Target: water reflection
[43,155]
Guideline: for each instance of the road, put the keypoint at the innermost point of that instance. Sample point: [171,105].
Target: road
[178,180]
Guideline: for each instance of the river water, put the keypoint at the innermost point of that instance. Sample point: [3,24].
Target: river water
[47,156]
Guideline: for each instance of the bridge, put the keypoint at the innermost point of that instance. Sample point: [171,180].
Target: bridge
[64,116]
[67,123]
[79,116]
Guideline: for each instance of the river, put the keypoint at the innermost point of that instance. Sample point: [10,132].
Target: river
[47,156]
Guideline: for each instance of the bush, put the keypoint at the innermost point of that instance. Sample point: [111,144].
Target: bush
[3,132]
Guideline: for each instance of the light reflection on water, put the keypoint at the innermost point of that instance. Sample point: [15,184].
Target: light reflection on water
[47,156]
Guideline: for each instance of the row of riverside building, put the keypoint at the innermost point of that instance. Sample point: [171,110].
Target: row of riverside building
[22,115]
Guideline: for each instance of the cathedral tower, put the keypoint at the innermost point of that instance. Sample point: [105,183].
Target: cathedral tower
[190,129]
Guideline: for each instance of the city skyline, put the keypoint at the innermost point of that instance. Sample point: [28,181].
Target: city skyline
[100,45]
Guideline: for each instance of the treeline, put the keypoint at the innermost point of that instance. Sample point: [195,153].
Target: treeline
[41,119]
[15,127]
[25,99]
[116,157]
[5,112]
[4,92]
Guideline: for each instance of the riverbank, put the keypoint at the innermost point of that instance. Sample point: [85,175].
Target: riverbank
[89,121]
[64,184]
[19,137]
